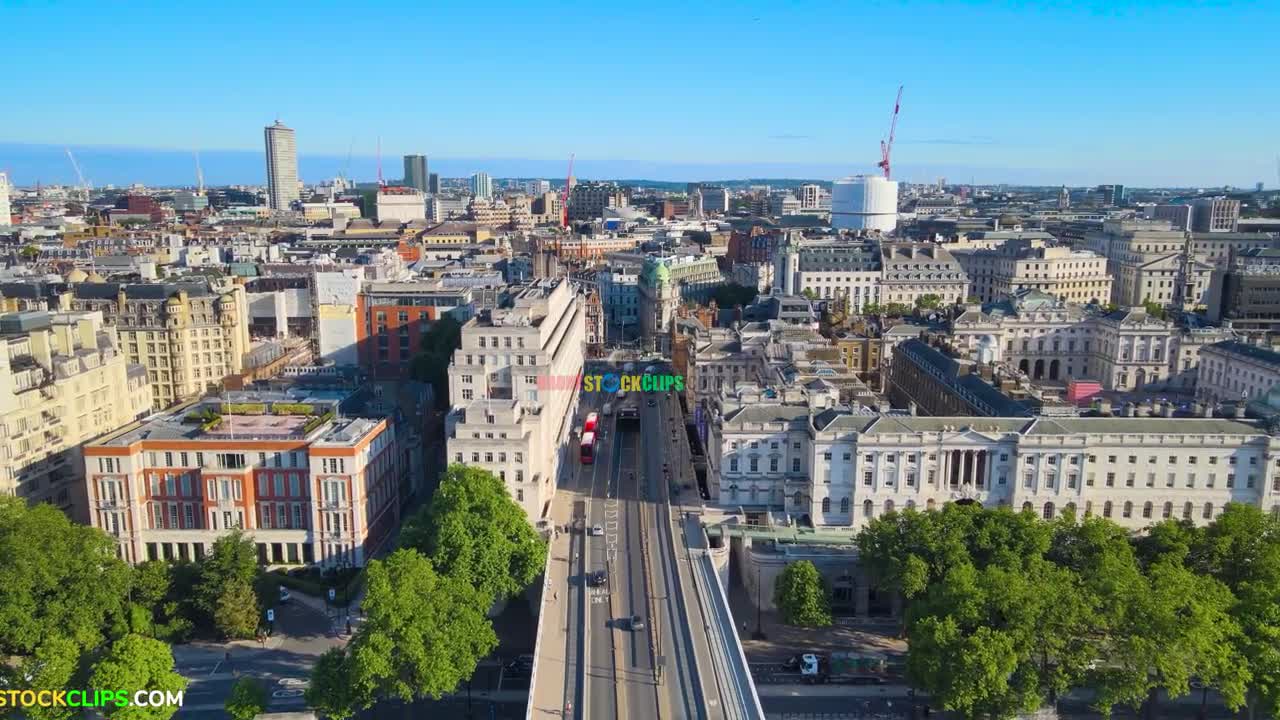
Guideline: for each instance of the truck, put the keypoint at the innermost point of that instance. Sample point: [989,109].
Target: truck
[850,668]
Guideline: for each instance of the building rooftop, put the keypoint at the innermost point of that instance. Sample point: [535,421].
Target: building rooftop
[1253,352]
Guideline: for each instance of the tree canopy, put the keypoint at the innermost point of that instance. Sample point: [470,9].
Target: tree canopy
[248,699]
[475,533]
[431,364]
[801,596]
[137,663]
[732,295]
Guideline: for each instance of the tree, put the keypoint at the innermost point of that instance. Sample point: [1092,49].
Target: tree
[30,252]
[872,308]
[897,310]
[431,365]
[247,700]
[928,301]
[56,664]
[237,612]
[137,663]
[423,633]
[732,295]
[59,580]
[330,691]
[230,564]
[801,596]
[475,533]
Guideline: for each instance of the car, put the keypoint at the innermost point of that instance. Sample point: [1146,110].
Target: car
[520,667]
[285,595]
[637,623]
[652,403]
[791,664]
[595,530]
[599,577]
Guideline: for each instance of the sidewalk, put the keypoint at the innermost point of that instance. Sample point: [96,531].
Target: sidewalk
[338,615]
[547,686]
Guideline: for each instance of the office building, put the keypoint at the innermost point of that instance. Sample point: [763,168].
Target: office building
[842,468]
[810,196]
[534,188]
[715,199]
[1112,195]
[620,297]
[64,382]
[481,186]
[588,200]
[308,480]
[1232,371]
[1215,215]
[187,335]
[185,201]
[433,184]
[282,166]
[392,319]
[1246,295]
[401,204]
[512,390]
[6,210]
[1072,275]
[848,270]
[864,202]
[1178,216]
[415,172]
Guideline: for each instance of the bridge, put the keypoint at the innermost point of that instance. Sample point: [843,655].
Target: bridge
[634,620]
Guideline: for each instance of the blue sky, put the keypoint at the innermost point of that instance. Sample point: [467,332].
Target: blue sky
[1183,93]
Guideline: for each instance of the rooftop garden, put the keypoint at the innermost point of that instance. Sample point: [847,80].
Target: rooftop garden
[209,417]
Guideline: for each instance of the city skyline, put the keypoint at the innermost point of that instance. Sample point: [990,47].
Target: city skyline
[1089,92]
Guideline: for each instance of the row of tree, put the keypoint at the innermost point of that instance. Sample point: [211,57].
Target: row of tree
[1005,611]
[426,625]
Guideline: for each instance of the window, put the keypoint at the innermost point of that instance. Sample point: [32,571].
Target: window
[911,479]
[795,465]
[1168,511]
[866,479]
[1106,509]
[1129,480]
[733,464]
[1128,509]
[1231,480]
[1048,511]
[1208,509]
[755,464]
[1111,479]
[826,456]
[773,466]
[1072,480]
[868,509]
[826,504]
[1151,479]
[1186,511]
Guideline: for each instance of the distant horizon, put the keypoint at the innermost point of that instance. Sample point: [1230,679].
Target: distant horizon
[123,165]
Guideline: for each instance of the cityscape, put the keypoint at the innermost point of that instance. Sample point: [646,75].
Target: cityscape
[915,418]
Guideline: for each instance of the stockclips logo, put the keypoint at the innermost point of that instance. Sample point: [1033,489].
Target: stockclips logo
[613,382]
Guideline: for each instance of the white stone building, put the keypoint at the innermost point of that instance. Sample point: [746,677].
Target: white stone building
[1233,371]
[514,389]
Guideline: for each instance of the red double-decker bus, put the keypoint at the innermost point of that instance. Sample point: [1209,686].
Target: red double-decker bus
[590,425]
[588,448]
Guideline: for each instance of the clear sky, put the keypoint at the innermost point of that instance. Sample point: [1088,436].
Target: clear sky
[1141,93]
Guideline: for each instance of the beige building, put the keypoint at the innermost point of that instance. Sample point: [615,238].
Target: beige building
[1233,371]
[65,382]
[513,388]
[1072,275]
[910,271]
[188,335]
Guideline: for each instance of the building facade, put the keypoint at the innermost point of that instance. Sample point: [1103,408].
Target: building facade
[1233,371]
[513,387]
[909,271]
[588,200]
[665,282]
[282,166]
[307,484]
[415,172]
[1073,275]
[393,318]
[481,185]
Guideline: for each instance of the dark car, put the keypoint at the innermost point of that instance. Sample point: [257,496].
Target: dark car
[520,667]
[637,623]
[652,402]
[791,664]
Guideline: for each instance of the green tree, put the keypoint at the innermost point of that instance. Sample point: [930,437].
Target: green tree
[431,364]
[872,308]
[59,579]
[56,664]
[929,301]
[30,252]
[897,310]
[475,533]
[330,691]
[231,560]
[236,615]
[423,633]
[732,295]
[137,663]
[801,597]
[247,700]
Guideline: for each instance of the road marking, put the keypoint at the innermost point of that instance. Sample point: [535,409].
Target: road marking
[215,668]
[295,682]
[287,694]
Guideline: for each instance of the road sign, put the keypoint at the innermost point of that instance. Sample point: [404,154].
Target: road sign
[271,615]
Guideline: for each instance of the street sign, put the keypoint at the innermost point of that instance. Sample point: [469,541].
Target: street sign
[332,594]
[271,615]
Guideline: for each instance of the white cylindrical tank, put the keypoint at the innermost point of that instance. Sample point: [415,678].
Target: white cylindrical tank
[864,202]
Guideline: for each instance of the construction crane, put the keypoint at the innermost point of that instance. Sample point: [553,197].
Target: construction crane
[887,146]
[199,175]
[564,200]
[84,186]
[381,184]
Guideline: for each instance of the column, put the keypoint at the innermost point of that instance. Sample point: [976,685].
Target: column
[980,477]
[956,459]
[968,467]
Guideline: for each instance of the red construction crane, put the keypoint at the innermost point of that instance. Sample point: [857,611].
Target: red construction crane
[564,200]
[887,147]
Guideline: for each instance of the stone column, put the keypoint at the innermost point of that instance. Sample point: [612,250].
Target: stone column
[980,477]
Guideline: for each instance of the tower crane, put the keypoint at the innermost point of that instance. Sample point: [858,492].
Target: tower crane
[84,186]
[199,175]
[887,146]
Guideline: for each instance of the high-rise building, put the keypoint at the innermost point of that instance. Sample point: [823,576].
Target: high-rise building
[588,200]
[1112,194]
[433,183]
[715,199]
[535,188]
[6,212]
[482,185]
[810,196]
[282,166]
[64,381]
[415,172]
[514,391]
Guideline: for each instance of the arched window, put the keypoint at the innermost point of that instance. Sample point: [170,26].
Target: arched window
[911,504]
[868,510]
[1208,511]
[796,499]
[1088,508]
[1026,507]
[1187,510]
[1168,511]
[1128,509]
[888,506]
[1147,509]
[1070,508]
[844,505]
[1106,509]
[826,504]
[1048,511]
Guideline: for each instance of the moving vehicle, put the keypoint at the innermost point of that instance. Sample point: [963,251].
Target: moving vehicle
[621,394]
[588,448]
[607,410]
[849,668]
[599,577]
[590,425]
[652,402]
[520,667]
[636,623]
[595,530]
